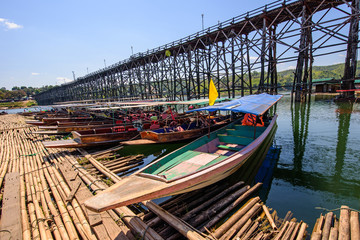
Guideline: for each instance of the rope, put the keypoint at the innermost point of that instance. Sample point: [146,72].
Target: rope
[8,231]
[29,155]
[124,216]
[67,136]
[332,210]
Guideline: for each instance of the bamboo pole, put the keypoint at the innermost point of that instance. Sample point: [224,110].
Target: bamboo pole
[179,208]
[354,225]
[234,218]
[282,230]
[302,230]
[243,229]
[327,225]
[218,206]
[249,233]
[296,229]
[232,230]
[269,217]
[99,166]
[33,221]
[289,231]
[62,208]
[184,229]
[333,233]
[315,236]
[225,211]
[24,215]
[344,226]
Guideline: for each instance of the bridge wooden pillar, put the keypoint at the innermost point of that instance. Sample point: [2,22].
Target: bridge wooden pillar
[261,86]
[351,54]
[301,86]
[248,61]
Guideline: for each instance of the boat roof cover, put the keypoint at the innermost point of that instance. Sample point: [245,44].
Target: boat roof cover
[256,104]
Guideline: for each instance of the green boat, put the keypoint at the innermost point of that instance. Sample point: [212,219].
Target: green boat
[200,163]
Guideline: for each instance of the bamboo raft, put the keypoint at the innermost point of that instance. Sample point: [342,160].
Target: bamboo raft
[47,188]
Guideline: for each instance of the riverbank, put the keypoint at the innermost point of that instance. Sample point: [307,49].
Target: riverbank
[19,104]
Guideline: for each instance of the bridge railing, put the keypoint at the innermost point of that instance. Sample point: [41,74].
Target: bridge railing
[204,32]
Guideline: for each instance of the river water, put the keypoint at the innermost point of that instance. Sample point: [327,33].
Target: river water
[319,162]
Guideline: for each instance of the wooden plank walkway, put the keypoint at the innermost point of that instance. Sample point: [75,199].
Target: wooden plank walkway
[11,225]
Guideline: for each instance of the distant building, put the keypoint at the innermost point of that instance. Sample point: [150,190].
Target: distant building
[330,85]
[326,85]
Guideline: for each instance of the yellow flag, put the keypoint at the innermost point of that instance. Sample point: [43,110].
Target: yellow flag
[213,94]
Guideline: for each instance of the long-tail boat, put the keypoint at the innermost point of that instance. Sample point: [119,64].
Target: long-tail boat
[95,137]
[181,132]
[200,163]
[53,121]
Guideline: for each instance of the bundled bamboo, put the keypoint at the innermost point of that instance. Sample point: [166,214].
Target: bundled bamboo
[252,221]
[329,227]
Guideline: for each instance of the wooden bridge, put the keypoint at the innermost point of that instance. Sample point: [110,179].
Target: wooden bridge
[241,55]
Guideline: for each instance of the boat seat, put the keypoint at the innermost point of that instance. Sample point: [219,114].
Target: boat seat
[225,147]
[235,139]
[186,163]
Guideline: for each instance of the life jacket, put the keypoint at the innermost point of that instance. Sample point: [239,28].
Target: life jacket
[154,125]
[250,120]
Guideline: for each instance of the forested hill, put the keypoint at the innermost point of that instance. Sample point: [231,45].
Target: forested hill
[286,78]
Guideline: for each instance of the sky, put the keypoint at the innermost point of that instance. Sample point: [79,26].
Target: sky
[46,42]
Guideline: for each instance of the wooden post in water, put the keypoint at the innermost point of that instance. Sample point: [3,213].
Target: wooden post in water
[351,53]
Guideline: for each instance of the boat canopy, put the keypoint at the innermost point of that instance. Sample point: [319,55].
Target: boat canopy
[256,104]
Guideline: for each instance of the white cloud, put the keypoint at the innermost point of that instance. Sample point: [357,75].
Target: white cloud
[291,67]
[253,58]
[9,25]
[35,74]
[61,80]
